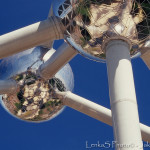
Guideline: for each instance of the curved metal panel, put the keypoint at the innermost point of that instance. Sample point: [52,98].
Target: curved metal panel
[35,99]
[90,23]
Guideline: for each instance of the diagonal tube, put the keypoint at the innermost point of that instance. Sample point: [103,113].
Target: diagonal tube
[95,110]
[30,36]
[61,57]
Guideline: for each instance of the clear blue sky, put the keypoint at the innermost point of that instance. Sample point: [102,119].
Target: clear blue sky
[71,129]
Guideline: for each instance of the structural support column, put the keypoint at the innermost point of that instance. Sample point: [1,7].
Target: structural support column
[122,96]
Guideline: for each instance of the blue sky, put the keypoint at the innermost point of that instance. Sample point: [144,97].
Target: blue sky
[71,129]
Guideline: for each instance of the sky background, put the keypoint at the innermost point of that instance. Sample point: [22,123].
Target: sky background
[71,129]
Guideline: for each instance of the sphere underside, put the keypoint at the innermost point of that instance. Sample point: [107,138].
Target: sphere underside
[34,100]
[90,23]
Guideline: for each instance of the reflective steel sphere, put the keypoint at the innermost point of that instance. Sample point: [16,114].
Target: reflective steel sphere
[90,23]
[34,99]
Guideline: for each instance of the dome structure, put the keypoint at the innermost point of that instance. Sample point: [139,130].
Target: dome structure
[89,24]
[34,100]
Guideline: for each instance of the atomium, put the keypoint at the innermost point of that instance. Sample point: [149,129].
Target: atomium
[89,24]
[35,99]
[35,89]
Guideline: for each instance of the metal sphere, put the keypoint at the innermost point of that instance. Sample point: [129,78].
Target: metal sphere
[90,23]
[34,100]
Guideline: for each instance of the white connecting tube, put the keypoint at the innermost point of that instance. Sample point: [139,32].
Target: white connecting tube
[95,111]
[30,36]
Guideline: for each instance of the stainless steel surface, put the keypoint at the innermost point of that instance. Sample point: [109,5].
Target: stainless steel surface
[19,63]
[34,99]
[89,23]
